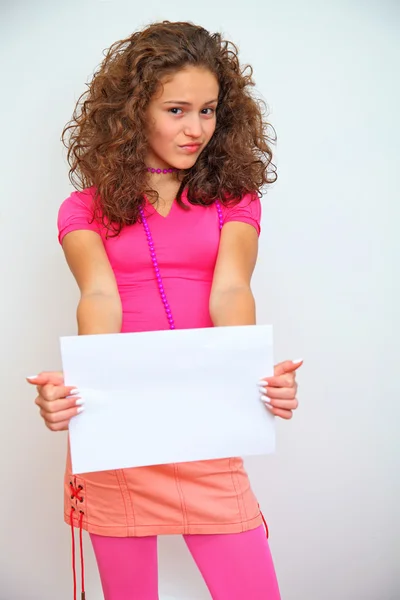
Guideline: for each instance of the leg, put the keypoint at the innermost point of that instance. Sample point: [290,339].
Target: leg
[127,566]
[236,566]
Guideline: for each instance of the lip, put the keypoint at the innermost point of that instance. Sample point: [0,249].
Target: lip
[191,147]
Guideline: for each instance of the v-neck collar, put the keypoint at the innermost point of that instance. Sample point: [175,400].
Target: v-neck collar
[153,209]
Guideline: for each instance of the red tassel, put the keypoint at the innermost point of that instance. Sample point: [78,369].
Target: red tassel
[76,494]
[83,594]
[73,550]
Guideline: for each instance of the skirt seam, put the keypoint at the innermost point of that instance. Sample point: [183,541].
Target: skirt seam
[131,504]
[123,492]
[181,497]
[236,492]
[235,470]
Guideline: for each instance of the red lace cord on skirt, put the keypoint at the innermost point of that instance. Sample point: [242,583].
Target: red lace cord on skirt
[76,493]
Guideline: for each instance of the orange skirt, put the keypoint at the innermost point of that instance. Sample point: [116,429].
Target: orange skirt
[211,496]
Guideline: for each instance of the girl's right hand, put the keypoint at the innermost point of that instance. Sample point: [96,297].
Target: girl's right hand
[58,403]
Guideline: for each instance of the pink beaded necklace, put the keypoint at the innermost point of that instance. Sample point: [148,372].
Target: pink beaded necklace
[163,171]
[154,260]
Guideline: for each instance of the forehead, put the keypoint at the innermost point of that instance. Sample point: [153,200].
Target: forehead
[192,84]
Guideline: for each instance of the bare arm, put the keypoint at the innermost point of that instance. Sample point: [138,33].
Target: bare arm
[99,309]
[231,299]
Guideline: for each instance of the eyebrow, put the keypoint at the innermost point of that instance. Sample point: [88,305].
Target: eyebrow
[182,103]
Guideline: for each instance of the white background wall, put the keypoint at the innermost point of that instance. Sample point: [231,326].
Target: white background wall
[327,279]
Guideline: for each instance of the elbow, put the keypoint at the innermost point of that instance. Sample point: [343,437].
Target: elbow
[99,313]
[100,295]
[232,306]
[111,300]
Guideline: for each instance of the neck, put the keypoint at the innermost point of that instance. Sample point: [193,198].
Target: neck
[164,188]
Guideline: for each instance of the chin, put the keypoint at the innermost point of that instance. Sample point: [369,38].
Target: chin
[184,164]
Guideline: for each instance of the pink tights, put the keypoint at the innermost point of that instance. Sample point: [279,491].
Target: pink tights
[235,566]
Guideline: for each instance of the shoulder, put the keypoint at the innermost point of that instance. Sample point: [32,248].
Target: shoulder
[77,212]
[78,201]
[246,209]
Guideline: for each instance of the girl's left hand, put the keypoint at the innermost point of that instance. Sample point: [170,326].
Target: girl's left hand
[279,392]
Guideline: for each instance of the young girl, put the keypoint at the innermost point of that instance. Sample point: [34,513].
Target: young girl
[169,151]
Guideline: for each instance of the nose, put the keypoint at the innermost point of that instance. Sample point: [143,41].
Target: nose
[193,127]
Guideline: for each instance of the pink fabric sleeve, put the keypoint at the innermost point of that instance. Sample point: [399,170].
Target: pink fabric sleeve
[75,213]
[248,210]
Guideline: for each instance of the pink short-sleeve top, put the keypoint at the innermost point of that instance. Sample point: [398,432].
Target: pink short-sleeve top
[186,244]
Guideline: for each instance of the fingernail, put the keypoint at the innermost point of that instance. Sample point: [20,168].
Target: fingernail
[74,392]
[269,406]
[262,382]
[297,361]
[79,401]
[32,377]
[264,398]
[80,409]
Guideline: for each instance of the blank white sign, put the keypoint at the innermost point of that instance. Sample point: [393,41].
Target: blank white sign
[169,396]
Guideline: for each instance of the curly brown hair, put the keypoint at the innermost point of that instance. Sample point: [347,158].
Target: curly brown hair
[106,138]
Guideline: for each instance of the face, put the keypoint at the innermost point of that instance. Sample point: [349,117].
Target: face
[182,118]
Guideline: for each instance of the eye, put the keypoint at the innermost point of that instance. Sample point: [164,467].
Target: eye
[175,110]
[211,111]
